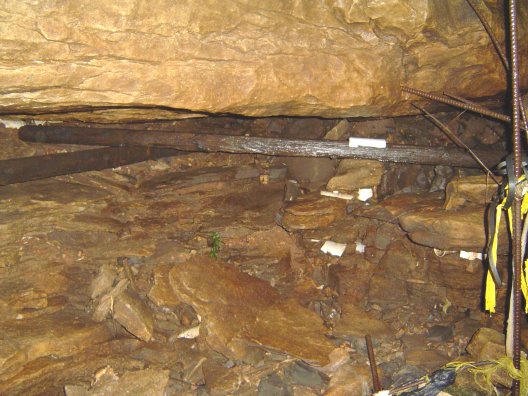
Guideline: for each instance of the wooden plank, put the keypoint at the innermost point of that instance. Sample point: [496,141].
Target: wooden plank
[18,170]
[256,145]
[182,180]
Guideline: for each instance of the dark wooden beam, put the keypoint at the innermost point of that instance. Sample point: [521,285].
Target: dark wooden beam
[18,170]
[256,145]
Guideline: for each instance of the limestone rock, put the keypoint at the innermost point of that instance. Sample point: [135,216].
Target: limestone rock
[312,211]
[144,382]
[351,380]
[469,190]
[462,229]
[251,57]
[161,292]
[103,281]
[134,315]
[402,261]
[428,358]
[39,337]
[356,323]
[487,344]
[355,174]
[238,310]
[311,173]
[455,273]
[351,283]
[273,385]
[387,289]
[391,208]
[338,132]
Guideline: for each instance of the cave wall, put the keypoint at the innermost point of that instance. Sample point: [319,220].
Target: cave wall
[256,58]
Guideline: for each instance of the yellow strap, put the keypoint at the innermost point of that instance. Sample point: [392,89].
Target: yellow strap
[524,285]
[510,220]
[489,298]
[490,294]
[494,242]
[524,205]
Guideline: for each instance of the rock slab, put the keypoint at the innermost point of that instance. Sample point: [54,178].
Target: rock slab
[239,310]
[256,58]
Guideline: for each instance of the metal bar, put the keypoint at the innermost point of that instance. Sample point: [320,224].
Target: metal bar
[18,170]
[451,135]
[491,35]
[516,215]
[466,101]
[466,106]
[255,145]
[373,367]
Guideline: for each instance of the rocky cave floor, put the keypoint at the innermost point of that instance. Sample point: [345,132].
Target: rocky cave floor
[191,275]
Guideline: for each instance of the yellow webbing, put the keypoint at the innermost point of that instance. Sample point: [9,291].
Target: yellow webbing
[490,294]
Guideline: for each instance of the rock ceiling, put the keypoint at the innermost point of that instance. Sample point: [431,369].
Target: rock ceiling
[327,58]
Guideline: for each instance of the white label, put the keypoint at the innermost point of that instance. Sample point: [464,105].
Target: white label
[334,248]
[365,193]
[470,255]
[366,142]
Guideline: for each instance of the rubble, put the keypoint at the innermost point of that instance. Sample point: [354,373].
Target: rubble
[114,269]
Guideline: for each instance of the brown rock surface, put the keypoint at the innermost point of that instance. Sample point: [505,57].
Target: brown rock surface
[161,292]
[469,190]
[145,382]
[250,57]
[387,289]
[354,174]
[239,310]
[356,323]
[462,229]
[133,315]
[25,341]
[487,344]
[391,208]
[351,380]
[312,211]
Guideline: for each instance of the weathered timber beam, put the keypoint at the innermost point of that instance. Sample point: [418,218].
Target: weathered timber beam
[18,170]
[256,145]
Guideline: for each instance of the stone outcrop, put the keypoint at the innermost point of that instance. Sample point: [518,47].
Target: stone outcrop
[354,174]
[312,211]
[241,310]
[256,58]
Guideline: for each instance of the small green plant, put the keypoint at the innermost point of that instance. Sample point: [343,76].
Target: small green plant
[215,244]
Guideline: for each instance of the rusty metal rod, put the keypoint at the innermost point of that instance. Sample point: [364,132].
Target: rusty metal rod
[18,170]
[451,135]
[455,103]
[466,101]
[255,145]
[373,367]
[491,35]
[516,209]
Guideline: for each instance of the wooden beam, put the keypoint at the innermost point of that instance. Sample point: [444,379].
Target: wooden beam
[256,145]
[18,170]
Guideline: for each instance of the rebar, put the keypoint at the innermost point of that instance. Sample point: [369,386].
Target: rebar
[491,35]
[516,215]
[466,106]
[373,367]
[451,135]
